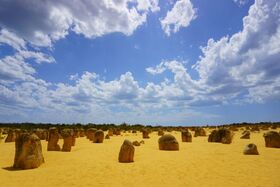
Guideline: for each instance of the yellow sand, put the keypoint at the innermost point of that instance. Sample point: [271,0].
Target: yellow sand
[196,164]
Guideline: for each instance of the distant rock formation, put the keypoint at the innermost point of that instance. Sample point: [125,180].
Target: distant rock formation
[145,134]
[160,133]
[136,143]
[107,136]
[110,132]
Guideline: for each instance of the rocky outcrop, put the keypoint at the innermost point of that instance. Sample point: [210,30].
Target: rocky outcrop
[28,154]
[53,140]
[90,133]
[250,149]
[168,142]
[272,139]
[223,135]
[11,136]
[186,136]
[126,153]
[245,135]
[199,132]
[68,137]
[145,134]
[98,136]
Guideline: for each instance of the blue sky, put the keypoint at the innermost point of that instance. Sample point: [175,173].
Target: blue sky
[140,61]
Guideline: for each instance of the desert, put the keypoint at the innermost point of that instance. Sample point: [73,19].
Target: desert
[196,163]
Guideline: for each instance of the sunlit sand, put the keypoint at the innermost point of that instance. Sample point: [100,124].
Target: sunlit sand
[196,164]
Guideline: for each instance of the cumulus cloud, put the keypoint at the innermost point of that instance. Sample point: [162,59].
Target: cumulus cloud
[179,16]
[243,67]
[248,59]
[12,40]
[43,23]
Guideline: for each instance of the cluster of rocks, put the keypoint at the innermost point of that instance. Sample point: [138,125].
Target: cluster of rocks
[29,155]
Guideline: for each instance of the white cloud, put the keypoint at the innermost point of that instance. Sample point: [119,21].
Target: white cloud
[146,5]
[11,39]
[44,23]
[243,67]
[249,59]
[14,68]
[179,16]
[37,56]
[241,2]
[156,70]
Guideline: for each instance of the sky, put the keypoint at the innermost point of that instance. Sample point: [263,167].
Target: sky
[152,62]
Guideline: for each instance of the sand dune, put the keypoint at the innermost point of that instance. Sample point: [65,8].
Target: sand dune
[196,164]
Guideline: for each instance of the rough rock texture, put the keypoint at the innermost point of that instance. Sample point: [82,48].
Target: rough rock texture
[186,136]
[11,136]
[272,139]
[136,143]
[250,149]
[245,135]
[160,132]
[142,142]
[199,132]
[90,133]
[68,137]
[145,134]
[134,131]
[126,152]
[222,135]
[98,137]
[28,153]
[168,142]
[53,140]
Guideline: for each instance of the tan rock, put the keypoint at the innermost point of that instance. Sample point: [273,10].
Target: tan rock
[53,140]
[126,153]
[28,153]
[98,136]
[168,142]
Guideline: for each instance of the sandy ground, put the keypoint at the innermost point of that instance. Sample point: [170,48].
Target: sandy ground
[196,164]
